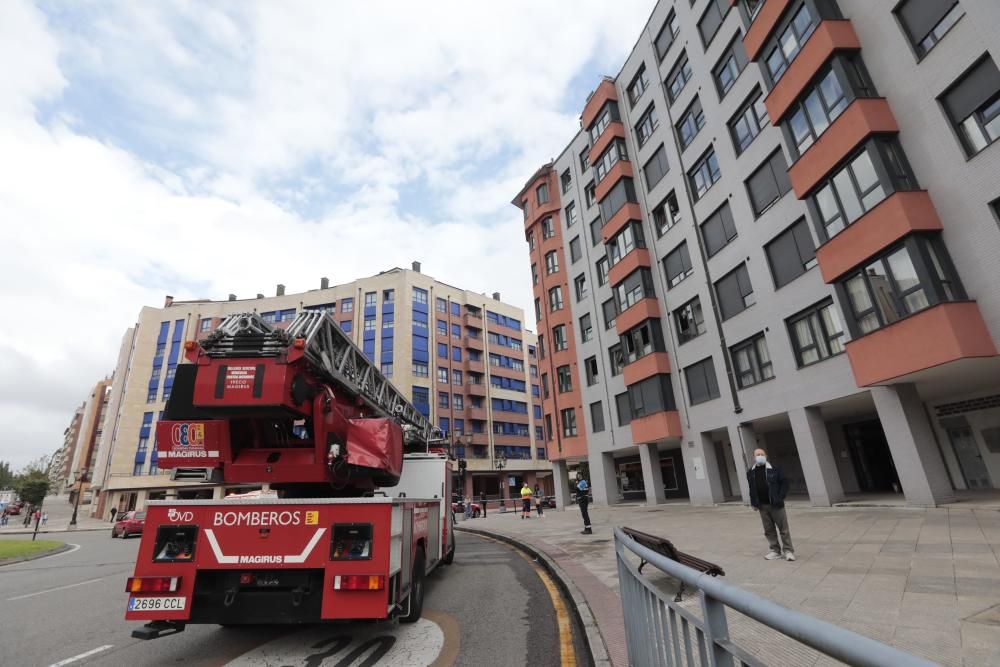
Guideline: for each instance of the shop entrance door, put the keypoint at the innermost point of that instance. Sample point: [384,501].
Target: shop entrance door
[970,459]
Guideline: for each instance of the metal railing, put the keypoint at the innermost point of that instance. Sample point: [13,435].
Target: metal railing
[660,631]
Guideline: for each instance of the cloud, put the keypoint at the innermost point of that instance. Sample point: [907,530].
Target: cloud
[155,148]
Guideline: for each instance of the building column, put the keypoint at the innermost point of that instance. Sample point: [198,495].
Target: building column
[816,456]
[604,482]
[652,475]
[560,478]
[913,446]
[702,470]
[742,442]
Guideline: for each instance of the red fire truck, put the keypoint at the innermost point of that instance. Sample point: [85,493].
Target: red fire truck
[353,509]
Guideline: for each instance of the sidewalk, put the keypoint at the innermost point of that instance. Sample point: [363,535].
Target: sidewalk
[924,580]
[60,512]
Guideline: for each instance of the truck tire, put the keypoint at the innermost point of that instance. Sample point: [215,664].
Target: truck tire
[416,591]
[449,557]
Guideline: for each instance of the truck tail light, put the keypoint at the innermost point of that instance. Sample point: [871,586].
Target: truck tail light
[153,584]
[359,582]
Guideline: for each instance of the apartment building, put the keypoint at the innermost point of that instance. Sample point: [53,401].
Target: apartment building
[81,457]
[778,227]
[464,358]
[59,466]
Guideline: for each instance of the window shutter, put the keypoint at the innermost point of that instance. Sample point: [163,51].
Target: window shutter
[973,90]
[718,230]
[783,257]
[730,299]
[677,262]
[920,16]
[762,187]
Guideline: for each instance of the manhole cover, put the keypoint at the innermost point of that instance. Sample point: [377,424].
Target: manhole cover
[989,617]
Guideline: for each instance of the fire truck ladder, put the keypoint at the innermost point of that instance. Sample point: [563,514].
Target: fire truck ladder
[333,354]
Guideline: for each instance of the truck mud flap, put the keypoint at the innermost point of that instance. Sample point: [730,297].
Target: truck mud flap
[233,597]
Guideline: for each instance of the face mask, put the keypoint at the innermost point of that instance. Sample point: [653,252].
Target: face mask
[761,460]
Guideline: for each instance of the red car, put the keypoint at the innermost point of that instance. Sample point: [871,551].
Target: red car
[459,508]
[129,523]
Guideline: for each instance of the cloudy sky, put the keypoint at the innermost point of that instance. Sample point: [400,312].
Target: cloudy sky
[197,149]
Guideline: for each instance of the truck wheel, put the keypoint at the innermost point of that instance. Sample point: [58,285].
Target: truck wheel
[416,591]
[449,557]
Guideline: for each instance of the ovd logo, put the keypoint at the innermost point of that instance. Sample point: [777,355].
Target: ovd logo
[179,517]
[188,435]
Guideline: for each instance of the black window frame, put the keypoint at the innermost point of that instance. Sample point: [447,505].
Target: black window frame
[609,323]
[602,273]
[569,427]
[580,287]
[732,62]
[564,379]
[625,241]
[776,166]
[565,181]
[642,340]
[749,111]
[591,370]
[673,25]
[617,197]
[812,106]
[571,216]
[805,253]
[758,370]
[679,258]
[633,288]
[658,165]
[648,118]
[597,424]
[722,218]
[824,342]
[681,71]
[548,227]
[721,11]
[609,113]
[925,30]
[623,409]
[650,396]
[596,225]
[575,252]
[556,305]
[704,162]
[553,266]
[543,188]
[614,153]
[640,78]
[702,370]
[691,121]
[616,360]
[586,328]
[741,275]
[692,306]
[967,100]
[666,214]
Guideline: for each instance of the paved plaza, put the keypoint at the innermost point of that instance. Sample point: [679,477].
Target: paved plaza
[924,580]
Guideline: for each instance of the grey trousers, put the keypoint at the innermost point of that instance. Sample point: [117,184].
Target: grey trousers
[776,521]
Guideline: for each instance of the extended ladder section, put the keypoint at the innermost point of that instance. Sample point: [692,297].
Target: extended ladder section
[333,356]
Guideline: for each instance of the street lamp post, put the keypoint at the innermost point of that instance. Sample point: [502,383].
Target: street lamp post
[500,462]
[79,492]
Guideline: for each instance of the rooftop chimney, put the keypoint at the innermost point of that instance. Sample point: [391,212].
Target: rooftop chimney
[416,267]
[281,290]
[259,295]
[168,301]
[496,296]
[232,297]
[324,283]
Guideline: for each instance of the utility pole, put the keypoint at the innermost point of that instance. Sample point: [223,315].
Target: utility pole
[79,492]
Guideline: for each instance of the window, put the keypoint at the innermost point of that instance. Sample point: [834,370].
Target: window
[584,159]
[849,194]
[671,28]
[456,353]
[769,183]
[369,324]
[711,20]
[565,180]
[531,240]
[151,395]
[647,124]
[548,229]
[534,276]
[692,120]
[555,299]
[551,262]
[542,194]
[789,42]
[602,267]
[816,110]
[678,77]
[816,333]
[609,158]
[564,379]
[442,373]
[441,305]
[926,21]
[638,86]
[616,359]
[610,311]
[574,250]
[458,402]
[624,242]
[590,369]
[205,324]
[718,230]
[656,168]
[586,328]
[652,395]
[623,408]
[442,328]
[735,292]
[907,279]
[791,254]
[973,104]
[590,192]
[548,427]
[621,194]
[370,298]
[420,370]
[751,362]
[702,383]
[545,385]
[347,305]
[642,340]
[580,287]
[752,7]
[689,321]
[419,295]
[637,286]
[568,417]
[666,214]
[346,325]
[595,232]
[388,295]
[559,340]
[443,399]
[571,216]
[749,121]
[387,369]
[677,265]
[728,69]
[608,113]
[704,174]
[596,417]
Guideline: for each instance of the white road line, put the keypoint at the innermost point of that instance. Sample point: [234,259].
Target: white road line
[81,656]
[61,553]
[57,588]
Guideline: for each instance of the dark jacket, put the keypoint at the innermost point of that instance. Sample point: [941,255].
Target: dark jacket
[777,486]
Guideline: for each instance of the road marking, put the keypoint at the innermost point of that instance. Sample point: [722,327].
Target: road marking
[81,656]
[57,588]
[61,553]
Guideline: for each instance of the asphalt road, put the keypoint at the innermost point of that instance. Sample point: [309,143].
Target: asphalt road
[491,607]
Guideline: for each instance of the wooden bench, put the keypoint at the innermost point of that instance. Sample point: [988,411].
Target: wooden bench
[664,546]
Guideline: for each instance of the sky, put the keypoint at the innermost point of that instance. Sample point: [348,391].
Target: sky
[198,149]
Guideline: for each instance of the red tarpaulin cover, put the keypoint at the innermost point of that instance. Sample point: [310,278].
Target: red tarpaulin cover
[376,444]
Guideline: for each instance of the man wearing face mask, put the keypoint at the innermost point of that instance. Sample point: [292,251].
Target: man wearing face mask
[768,488]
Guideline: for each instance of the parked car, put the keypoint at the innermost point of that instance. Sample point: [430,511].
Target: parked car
[129,523]
[13,509]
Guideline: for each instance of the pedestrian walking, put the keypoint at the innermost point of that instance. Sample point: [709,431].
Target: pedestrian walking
[538,505]
[45,518]
[768,488]
[525,501]
[583,500]
[114,513]
[482,502]
[468,507]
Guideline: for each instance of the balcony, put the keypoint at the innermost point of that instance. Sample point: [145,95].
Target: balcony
[614,130]
[656,363]
[604,93]
[621,169]
[828,38]
[636,258]
[471,320]
[862,117]
[475,388]
[512,417]
[473,343]
[645,309]
[630,211]
[899,214]
[941,334]
[658,427]
[503,371]
[475,413]
[515,440]
[763,25]
[471,366]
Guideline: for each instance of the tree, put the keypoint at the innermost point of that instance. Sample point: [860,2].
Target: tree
[6,475]
[41,464]
[32,486]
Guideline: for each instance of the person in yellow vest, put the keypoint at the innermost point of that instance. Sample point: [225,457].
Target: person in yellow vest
[526,501]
